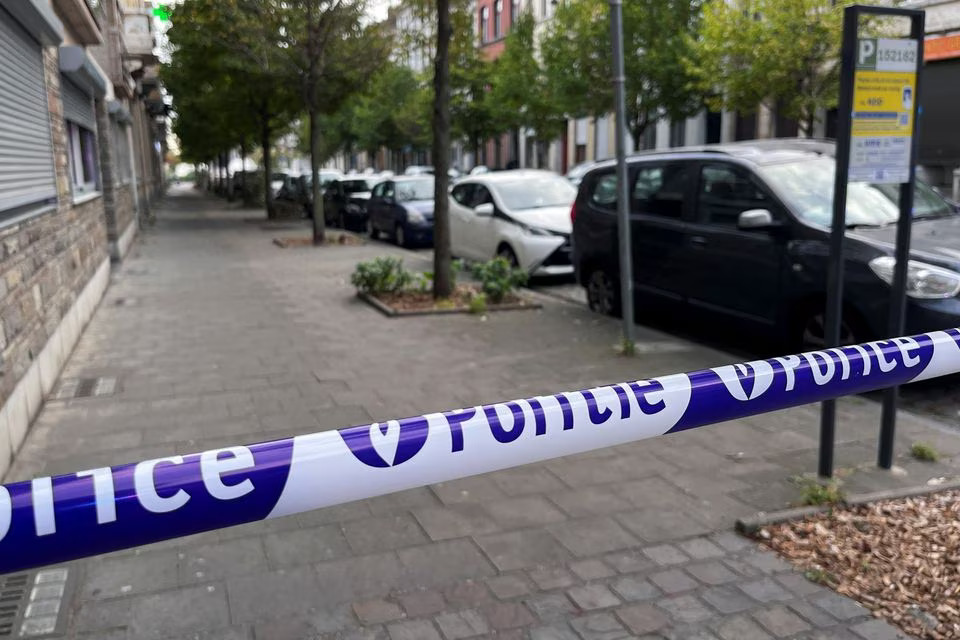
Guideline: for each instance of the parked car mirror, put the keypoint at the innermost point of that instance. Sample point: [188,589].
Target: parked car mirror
[755,219]
[485,209]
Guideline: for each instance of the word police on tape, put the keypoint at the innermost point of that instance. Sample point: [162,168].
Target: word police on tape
[50,520]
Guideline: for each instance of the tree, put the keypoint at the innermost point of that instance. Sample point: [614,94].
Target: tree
[578,64]
[330,55]
[442,257]
[393,112]
[783,54]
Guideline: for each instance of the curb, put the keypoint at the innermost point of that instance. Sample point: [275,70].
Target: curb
[390,312]
[750,525]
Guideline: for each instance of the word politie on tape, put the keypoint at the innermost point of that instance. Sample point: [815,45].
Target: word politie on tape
[50,520]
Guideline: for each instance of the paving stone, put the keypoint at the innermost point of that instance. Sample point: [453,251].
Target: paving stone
[590,536]
[413,630]
[463,624]
[419,498]
[712,573]
[275,594]
[383,533]
[467,594]
[700,549]
[643,618]
[455,521]
[424,602]
[508,586]
[742,568]
[767,562]
[655,524]
[797,583]
[547,578]
[526,480]
[377,611]
[877,630]
[765,590]
[507,615]
[224,559]
[553,632]
[673,581]
[473,489]
[629,561]
[780,621]
[732,541]
[528,511]
[665,554]
[443,563]
[591,569]
[685,609]
[839,606]
[294,548]
[740,628]
[521,549]
[591,501]
[688,632]
[551,606]
[635,589]
[130,575]
[727,599]
[814,615]
[351,579]
[593,596]
[599,626]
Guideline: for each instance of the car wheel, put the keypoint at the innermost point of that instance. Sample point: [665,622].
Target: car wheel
[603,293]
[507,254]
[399,236]
[813,332]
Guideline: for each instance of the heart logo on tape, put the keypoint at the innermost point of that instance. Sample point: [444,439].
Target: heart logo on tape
[387,444]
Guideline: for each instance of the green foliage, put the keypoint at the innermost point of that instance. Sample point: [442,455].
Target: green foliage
[781,53]
[478,303]
[815,492]
[381,275]
[578,62]
[497,278]
[924,451]
[627,348]
[820,576]
[393,112]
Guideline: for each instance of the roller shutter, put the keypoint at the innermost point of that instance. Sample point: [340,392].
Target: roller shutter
[77,105]
[26,153]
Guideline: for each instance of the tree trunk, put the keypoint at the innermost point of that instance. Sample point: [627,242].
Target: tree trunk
[442,259]
[267,166]
[243,170]
[319,223]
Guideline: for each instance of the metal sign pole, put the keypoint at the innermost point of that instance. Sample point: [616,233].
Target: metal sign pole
[623,204]
[834,312]
[898,301]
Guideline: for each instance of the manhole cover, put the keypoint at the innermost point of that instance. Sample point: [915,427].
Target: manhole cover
[30,604]
[86,388]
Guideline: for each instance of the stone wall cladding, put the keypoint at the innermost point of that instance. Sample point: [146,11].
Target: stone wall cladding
[46,261]
[125,207]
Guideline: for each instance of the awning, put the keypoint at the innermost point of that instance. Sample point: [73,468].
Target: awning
[37,18]
[76,65]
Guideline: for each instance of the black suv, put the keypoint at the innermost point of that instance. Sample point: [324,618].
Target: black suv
[741,232]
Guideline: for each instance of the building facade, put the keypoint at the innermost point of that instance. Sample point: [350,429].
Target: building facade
[67,200]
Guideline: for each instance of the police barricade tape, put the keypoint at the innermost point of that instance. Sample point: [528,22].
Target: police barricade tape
[49,520]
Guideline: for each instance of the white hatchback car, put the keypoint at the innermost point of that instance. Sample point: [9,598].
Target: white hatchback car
[522,215]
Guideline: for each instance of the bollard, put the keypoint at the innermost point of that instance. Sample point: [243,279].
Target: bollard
[49,520]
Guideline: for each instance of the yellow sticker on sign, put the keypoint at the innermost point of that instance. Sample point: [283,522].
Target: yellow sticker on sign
[883,103]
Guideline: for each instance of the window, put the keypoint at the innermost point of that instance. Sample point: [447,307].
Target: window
[660,189]
[604,192]
[514,12]
[497,19]
[649,138]
[121,153]
[83,159]
[485,24]
[463,194]
[378,190]
[481,196]
[678,133]
[726,192]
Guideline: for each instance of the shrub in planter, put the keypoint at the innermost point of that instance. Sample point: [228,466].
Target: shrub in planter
[497,278]
[382,275]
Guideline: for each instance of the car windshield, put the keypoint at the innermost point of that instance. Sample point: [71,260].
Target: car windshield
[408,190]
[355,186]
[536,192]
[808,187]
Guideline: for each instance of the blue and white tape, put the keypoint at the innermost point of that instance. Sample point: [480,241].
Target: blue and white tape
[49,520]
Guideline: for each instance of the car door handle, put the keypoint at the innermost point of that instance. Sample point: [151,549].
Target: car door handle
[698,241]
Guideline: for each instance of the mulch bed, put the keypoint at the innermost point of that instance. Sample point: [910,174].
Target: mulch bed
[331,239]
[422,303]
[900,558]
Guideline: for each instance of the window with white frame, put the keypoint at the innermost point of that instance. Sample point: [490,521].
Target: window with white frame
[484,24]
[121,153]
[497,19]
[83,159]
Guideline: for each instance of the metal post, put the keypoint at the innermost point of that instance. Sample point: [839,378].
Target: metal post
[834,312]
[623,204]
[898,301]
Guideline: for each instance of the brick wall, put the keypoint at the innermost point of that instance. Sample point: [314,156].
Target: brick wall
[46,261]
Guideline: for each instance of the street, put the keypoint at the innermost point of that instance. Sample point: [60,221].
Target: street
[216,337]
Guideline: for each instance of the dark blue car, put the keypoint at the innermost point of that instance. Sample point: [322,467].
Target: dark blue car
[402,208]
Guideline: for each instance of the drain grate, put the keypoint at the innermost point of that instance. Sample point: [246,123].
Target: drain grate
[86,388]
[13,591]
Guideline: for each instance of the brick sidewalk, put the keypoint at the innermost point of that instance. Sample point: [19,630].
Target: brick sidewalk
[218,337]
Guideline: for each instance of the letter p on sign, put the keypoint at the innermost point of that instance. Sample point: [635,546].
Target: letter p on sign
[867,53]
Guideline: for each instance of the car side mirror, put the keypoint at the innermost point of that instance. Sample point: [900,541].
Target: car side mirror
[485,209]
[755,219]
